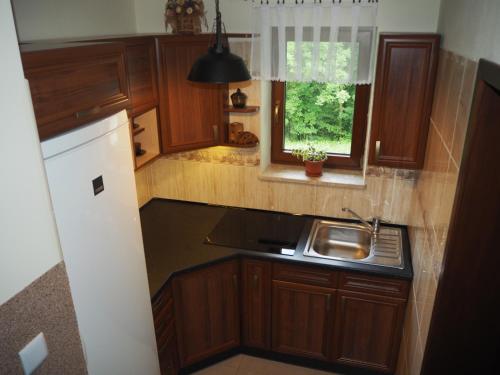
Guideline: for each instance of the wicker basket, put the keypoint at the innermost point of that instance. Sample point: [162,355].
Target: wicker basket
[187,25]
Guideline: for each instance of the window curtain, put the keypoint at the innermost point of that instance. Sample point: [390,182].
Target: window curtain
[322,41]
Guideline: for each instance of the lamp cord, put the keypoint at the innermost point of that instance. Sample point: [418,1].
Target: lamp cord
[218,17]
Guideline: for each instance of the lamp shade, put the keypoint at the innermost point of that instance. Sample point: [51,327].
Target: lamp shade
[219,67]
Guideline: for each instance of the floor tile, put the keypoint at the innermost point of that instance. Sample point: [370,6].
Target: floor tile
[248,365]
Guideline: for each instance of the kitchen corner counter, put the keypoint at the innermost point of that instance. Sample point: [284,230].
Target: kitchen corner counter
[174,233]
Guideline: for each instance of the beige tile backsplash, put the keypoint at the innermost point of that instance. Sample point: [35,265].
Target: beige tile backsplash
[208,181]
[433,197]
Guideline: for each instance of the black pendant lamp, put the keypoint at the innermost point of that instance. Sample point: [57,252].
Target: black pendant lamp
[219,65]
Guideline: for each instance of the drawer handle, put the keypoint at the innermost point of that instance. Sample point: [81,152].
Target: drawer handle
[255,280]
[235,281]
[377,150]
[87,112]
[216,132]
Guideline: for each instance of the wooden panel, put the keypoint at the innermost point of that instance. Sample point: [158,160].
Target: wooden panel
[192,114]
[74,85]
[302,319]
[463,334]
[141,71]
[164,323]
[206,307]
[406,72]
[256,303]
[368,330]
[305,274]
[358,282]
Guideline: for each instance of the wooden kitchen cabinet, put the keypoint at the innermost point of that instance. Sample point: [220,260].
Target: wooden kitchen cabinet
[191,114]
[368,330]
[207,311]
[164,323]
[75,83]
[302,319]
[141,71]
[404,89]
[256,303]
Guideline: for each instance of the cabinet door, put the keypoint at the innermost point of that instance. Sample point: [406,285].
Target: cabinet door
[404,89]
[164,322]
[206,310]
[141,71]
[75,84]
[302,319]
[191,113]
[256,303]
[368,330]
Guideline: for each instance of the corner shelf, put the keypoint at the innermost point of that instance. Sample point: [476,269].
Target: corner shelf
[235,145]
[137,131]
[250,109]
[147,135]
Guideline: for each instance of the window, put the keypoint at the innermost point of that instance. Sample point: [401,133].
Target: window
[328,115]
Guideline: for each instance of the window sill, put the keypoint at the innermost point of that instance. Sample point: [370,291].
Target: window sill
[296,174]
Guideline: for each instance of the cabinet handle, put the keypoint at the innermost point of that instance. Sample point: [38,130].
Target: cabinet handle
[87,112]
[216,132]
[276,111]
[255,280]
[377,150]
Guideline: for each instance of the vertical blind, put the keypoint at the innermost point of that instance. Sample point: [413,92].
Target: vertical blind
[323,42]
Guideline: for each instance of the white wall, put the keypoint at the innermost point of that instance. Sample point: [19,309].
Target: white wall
[48,19]
[29,245]
[471,28]
[393,15]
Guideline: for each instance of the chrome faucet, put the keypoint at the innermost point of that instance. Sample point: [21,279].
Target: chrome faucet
[374,227]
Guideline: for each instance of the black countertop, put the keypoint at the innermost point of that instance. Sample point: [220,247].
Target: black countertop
[174,234]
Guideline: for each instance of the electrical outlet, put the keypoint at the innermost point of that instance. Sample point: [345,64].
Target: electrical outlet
[33,354]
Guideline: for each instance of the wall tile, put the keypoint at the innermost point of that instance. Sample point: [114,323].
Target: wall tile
[447,125]
[434,194]
[168,179]
[442,87]
[465,102]
[143,185]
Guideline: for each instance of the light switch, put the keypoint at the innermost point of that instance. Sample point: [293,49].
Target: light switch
[33,354]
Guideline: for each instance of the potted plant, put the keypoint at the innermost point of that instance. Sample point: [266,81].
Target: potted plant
[312,158]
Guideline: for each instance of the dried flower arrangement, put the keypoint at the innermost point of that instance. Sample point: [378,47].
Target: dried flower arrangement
[185,16]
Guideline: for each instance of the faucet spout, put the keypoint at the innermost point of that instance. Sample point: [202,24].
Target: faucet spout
[363,221]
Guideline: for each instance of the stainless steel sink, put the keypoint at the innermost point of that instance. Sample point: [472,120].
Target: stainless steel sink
[353,242]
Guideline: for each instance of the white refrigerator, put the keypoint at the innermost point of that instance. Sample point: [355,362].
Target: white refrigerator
[92,186]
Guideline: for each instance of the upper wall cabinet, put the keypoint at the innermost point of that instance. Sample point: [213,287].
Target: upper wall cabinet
[140,59]
[191,114]
[73,84]
[404,88]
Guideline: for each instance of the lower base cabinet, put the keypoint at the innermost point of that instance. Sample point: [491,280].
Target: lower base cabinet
[207,311]
[368,330]
[166,339]
[169,358]
[339,317]
[302,319]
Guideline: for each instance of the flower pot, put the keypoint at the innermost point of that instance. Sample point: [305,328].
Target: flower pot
[314,168]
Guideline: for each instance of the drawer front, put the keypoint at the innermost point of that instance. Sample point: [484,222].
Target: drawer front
[73,86]
[374,285]
[305,274]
